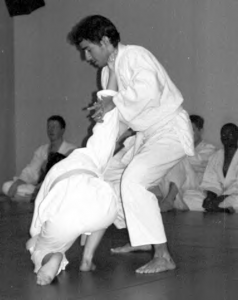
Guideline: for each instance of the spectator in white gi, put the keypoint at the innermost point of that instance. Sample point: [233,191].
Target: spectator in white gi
[219,188]
[23,187]
[188,173]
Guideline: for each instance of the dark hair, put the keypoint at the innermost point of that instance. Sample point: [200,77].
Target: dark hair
[197,121]
[93,28]
[231,126]
[58,119]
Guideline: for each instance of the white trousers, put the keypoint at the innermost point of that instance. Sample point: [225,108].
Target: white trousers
[77,205]
[138,208]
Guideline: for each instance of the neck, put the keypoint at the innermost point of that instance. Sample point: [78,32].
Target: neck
[112,56]
[230,149]
[197,142]
[55,145]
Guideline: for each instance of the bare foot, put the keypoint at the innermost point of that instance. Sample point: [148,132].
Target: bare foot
[128,248]
[157,265]
[87,265]
[49,270]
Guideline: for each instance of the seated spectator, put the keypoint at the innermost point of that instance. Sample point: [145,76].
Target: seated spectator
[188,173]
[53,158]
[219,188]
[23,188]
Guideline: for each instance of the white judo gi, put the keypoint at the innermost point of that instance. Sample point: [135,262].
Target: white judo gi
[31,173]
[214,181]
[188,173]
[150,104]
[74,199]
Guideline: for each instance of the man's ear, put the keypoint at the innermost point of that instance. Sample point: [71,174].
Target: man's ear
[105,41]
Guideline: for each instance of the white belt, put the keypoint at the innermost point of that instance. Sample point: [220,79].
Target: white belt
[72,173]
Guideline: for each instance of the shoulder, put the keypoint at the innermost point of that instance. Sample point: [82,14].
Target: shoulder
[42,148]
[217,154]
[66,147]
[137,57]
[207,146]
[136,51]
[70,145]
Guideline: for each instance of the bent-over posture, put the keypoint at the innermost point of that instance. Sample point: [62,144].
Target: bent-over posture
[74,199]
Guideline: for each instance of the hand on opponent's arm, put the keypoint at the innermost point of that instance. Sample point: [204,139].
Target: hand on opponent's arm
[101,107]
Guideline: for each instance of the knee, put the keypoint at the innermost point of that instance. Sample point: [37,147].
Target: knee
[6,186]
[131,182]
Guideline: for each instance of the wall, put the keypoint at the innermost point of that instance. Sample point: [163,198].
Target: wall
[216,87]
[194,40]
[7,113]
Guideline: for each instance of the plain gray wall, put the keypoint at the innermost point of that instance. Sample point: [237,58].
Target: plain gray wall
[7,110]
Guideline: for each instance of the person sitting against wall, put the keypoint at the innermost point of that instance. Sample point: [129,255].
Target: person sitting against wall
[219,188]
[23,187]
[188,173]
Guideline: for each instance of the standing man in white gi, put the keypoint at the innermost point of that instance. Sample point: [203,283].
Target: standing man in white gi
[150,104]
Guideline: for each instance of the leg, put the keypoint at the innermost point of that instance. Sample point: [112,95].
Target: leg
[167,204]
[162,261]
[91,245]
[127,248]
[49,248]
[50,266]
[6,187]
[230,204]
[180,178]
[193,199]
[142,212]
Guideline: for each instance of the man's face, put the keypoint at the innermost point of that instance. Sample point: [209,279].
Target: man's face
[95,54]
[54,130]
[229,136]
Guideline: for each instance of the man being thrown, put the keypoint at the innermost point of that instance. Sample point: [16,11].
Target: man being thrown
[73,200]
[219,187]
[149,104]
[23,188]
[188,173]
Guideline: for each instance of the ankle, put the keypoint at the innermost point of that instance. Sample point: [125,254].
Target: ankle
[160,250]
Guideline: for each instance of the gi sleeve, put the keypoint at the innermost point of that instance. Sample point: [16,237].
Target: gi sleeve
[31,173]
[211,181]
[143,86]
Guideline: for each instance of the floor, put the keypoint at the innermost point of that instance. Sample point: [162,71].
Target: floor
[204,247]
